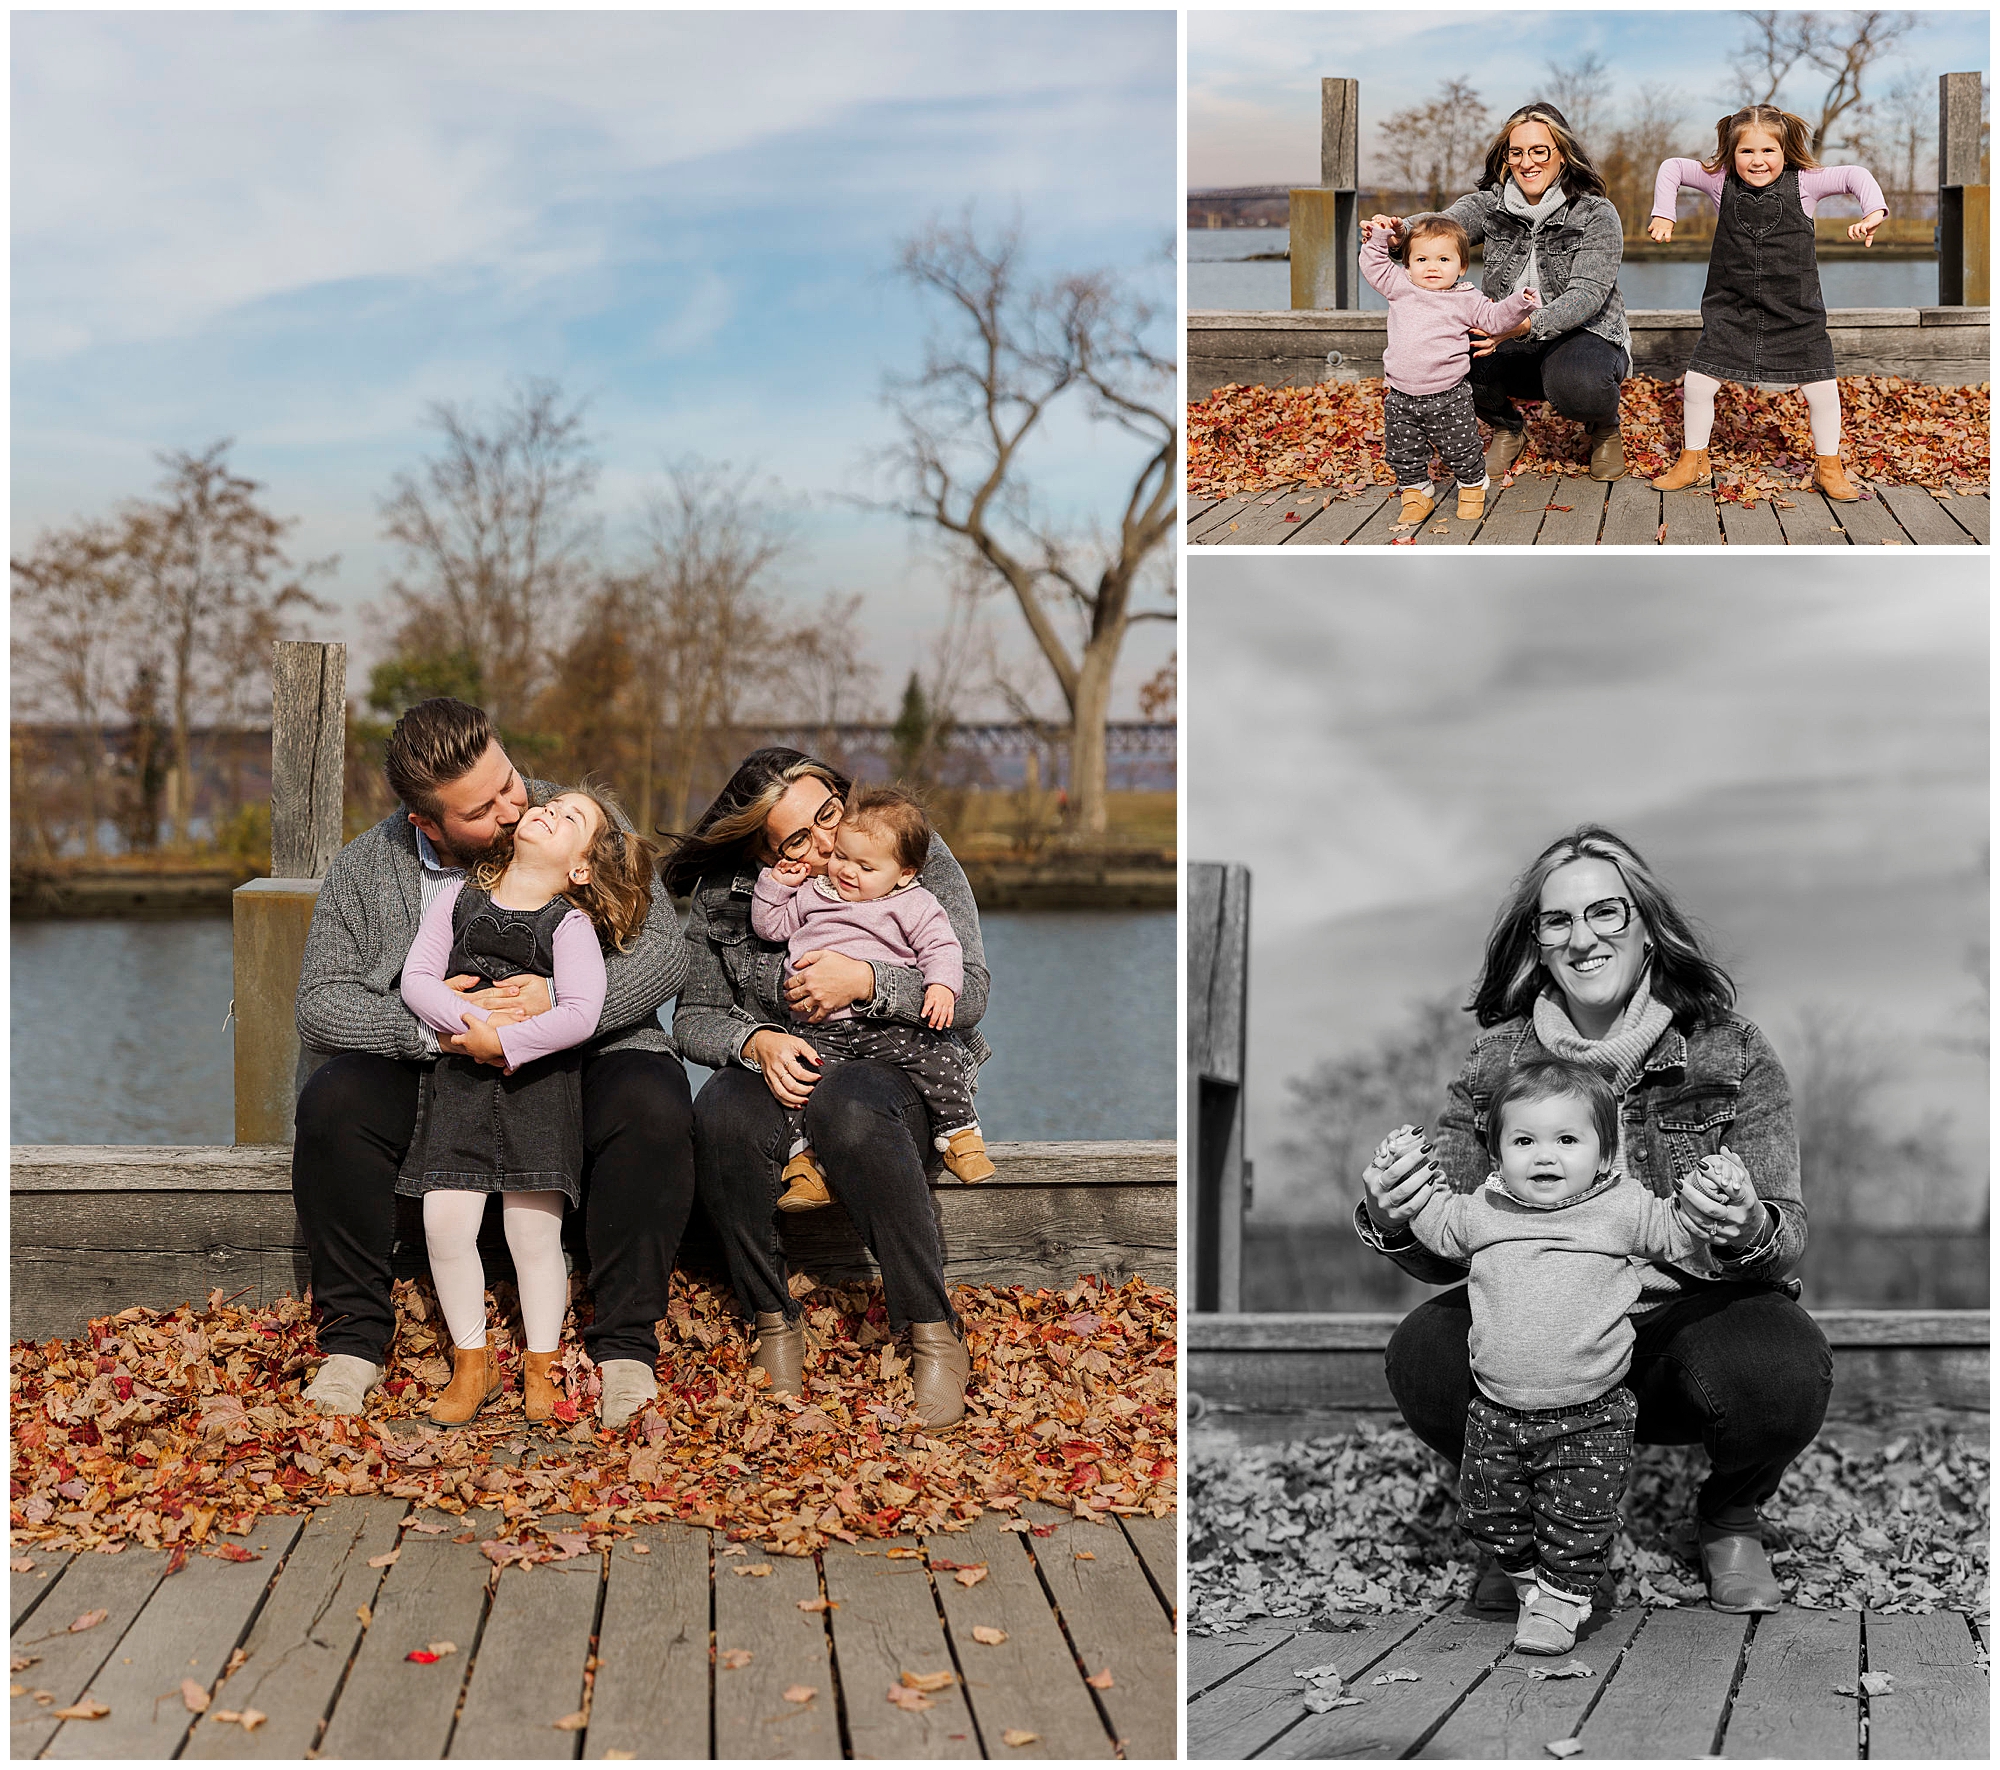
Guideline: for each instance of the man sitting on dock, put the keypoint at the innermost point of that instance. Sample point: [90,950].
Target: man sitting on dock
[357,1112]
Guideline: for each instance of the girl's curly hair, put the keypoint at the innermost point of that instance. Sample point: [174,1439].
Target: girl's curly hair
[1793,134]
[619,896]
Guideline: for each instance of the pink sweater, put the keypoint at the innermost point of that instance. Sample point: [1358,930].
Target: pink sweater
[1815,184]
[579,985]
[905,928]
[1427,350]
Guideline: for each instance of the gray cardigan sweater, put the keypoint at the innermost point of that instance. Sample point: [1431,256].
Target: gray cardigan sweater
[362,928]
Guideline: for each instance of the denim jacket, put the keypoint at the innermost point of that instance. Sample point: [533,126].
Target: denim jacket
[1580,249]
[735,983]
[1719,1083]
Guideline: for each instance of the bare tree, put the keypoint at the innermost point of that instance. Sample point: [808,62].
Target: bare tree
[1909,126]
[497,535]
[1580,89]
[209,566]
[1013,350]
[824,678]
[72,600]
[1831,50]
[1436,147]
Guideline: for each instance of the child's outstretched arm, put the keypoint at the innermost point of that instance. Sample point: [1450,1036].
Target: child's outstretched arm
[1849,181]
[1377,265]
[779,903]
[1443,1223]
[1668,183]
[1498,317]
[1661,1230]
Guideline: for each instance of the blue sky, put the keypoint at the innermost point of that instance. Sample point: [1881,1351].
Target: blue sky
[298,229]
[1253,77]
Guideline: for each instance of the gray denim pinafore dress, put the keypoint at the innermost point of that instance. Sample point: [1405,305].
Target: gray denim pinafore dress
[479,1130]
[1762,317]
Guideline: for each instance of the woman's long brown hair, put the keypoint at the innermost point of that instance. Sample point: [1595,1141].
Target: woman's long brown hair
[726,833]
[1793,133]
[1579,177]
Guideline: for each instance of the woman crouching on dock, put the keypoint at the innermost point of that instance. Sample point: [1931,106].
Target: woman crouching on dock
[866,1121]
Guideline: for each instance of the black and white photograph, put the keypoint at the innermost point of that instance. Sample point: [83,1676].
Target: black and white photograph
[1587,1046]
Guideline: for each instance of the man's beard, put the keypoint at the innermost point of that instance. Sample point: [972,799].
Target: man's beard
[499,851]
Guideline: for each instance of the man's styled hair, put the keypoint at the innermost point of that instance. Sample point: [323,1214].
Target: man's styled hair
[895,814]
[434,743]
[1553,1078]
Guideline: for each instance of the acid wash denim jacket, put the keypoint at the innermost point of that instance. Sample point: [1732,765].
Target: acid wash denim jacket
[1580,250]
[1719,1082]
[735,983]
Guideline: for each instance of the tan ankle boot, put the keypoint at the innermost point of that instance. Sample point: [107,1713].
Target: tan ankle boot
[939,1368]
[1831,478]
[1471,503]
[1504,450]
[780,1351]
[805,1184]
[1607,453]
[1690,470]
[475,1380]
[1416,507]
[538,1393]
[965,1155]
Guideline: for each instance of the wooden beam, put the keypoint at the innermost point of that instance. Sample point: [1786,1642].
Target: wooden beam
[308,756]
[1370,1333]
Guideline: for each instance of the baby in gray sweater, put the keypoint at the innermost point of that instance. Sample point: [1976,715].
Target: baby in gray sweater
[1552,1239]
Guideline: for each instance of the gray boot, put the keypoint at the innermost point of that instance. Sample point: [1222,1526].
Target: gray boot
[1503,450]
[939,1368]
[1607,453]
[780,1350]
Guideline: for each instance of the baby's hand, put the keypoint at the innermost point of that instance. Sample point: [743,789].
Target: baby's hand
[791,872]
[1660,229]
[1718,1179]
[940,1006]
[1531,297]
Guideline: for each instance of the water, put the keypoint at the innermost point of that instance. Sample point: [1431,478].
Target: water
[1219,277]
[1081,1022]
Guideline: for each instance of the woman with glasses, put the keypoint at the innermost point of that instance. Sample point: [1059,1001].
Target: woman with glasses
[866,1120]
[1590,959]
[1547,225]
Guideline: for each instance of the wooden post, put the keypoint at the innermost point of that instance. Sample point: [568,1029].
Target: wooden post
[1218,985]
[1964,270]
[1325,220]
[308,758]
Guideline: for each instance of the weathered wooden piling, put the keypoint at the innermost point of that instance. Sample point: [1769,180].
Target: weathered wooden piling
[1325,219]
[1218,972]
[1964,265]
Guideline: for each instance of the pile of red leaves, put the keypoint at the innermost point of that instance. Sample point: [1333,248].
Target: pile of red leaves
[171,1430]
[1246,440]
[1368,1522]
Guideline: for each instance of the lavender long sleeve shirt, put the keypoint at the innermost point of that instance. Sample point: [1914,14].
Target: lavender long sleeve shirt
[907,927]
[579,984]
[1428,350]
[1816,183]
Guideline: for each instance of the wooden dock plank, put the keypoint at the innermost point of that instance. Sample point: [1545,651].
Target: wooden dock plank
[1923,517]
[1810,521]
[1028,1682]
[1212,1659]
[1785,1706]
[1340,521]
[1513,514]
[1578,525]
[1869,524]
[1213,525]
[119,1584]
[26,1590]
[1667,1697]
[1690,518]
[1267,526]
[787,1646]
[298,1650]
[1198,507]
[1442,527]
[1940,1705]
[1115,1624]
[1449,1654]
[1514,1714]
[436,1591]
[528,1673]
[1243,1716]
[189,1627]
[1973,512]
[1753,526]
[1381,527]
[1157,1543]
[1631,519]
[654,1675]
[886,1624]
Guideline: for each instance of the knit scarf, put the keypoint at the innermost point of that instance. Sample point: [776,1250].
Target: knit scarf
[1623,1054]
[1515,201]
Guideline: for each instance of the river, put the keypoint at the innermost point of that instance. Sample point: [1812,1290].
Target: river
[1219,277]
[119,1036]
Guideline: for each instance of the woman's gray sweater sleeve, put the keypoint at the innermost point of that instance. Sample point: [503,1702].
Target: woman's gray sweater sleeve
[899,989]
[1593,275]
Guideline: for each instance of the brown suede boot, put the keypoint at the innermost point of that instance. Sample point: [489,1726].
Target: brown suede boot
[1607,453]
[1831,478]
[965,1155]
[939,1368]
[1504,450]
[780,1351]
[1690,470]
[475,1380]
[538,1393]
[1471,503]
[805,1184]
[1416,507]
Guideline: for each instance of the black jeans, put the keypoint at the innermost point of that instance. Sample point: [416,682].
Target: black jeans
[1577,373]
[870,1129]
[1738,1369]
[354,1122]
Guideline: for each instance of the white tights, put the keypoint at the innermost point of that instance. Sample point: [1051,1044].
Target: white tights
[1698,407]
[534,1238]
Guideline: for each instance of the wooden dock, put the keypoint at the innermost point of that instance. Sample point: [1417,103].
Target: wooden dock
[1541,510]
[1659,1683]
[673,1643]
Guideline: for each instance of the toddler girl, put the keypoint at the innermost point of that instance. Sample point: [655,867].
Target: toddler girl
[1762,318]
[869,906]
[1426,399]
[1551,1240]
[508,1116]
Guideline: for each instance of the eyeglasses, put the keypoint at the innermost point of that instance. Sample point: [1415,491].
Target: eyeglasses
[1607,916]
[827,817]
[1535,156]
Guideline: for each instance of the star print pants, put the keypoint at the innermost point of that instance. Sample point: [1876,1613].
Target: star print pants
[935,1062]
[1540,1490]
[1414,424]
